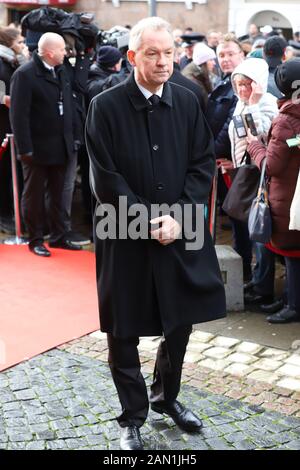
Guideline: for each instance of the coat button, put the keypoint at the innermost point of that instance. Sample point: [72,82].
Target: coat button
[155,147]
[160,186]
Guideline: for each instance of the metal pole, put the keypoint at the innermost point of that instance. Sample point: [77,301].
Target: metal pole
[152,7]
[213,206]
[17,240]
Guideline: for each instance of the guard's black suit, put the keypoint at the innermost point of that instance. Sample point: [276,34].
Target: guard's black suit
[45,134]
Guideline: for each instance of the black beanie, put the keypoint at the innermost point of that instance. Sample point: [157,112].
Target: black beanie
[286,75]
[108,56]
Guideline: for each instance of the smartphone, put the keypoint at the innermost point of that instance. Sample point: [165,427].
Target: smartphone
[250,123]
[239,126]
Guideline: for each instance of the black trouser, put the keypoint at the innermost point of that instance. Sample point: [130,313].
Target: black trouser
[293,276]
[125,367]
[242,245]
[36,179]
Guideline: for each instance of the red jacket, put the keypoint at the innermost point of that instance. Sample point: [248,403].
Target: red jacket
[282,167]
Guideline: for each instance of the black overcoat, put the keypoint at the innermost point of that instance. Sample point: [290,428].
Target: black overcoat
[36,122]
[152,156]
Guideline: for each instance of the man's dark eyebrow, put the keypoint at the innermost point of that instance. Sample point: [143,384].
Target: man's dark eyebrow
[154,49]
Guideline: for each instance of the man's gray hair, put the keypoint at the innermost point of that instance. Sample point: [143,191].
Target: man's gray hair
[154,23]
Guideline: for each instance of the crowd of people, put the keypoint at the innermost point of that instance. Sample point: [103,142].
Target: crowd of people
[45,94]
[158,122]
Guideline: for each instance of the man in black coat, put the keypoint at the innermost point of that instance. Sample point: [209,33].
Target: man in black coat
[222,100]
[274,55]
[149,145]
[42,122]
[107,67]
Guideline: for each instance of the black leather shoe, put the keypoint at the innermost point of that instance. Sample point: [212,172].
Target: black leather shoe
[183,417]
[252,298]
[272,308]
[65,245]
[131,439]
[284,316]
[39,250]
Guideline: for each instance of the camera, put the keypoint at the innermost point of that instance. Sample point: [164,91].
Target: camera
[118,36]
[242,122]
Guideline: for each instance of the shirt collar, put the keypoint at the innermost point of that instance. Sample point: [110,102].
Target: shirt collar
[49,67]
[148,93]
[137,97]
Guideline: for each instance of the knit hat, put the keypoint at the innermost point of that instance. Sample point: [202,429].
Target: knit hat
[286,76]
[202,53]
[257,53]
[108,56]
[274,50]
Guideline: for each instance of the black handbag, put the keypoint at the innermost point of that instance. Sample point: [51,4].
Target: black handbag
[243,190]
[260,220]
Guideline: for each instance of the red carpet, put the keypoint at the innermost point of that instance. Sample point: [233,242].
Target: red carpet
[44,302]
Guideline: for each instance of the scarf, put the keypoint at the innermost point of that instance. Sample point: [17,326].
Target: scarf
[8,55]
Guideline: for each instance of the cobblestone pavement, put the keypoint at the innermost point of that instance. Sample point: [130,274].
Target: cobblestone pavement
[240,370]
[63,400]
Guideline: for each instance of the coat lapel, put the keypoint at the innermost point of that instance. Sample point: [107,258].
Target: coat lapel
[41,70]
[137,98]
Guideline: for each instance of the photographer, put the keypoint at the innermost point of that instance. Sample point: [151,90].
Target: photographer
[105,73]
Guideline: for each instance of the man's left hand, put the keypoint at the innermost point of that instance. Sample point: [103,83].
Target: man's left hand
[168,232]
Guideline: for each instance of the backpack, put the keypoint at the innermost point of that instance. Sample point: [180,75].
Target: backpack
[112,80]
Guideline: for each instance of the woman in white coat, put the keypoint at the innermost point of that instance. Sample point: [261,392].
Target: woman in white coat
[250,81]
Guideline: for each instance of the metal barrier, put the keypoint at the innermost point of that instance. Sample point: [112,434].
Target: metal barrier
[17,240]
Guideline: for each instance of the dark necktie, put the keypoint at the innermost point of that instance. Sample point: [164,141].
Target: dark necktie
[52,71]
[154,100]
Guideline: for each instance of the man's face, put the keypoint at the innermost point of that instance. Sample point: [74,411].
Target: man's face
[213,39]
[58,52]
[188,51]
[229,56]
[253,30]
[153,61]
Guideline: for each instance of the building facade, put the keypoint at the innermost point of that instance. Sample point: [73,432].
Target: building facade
[201,15]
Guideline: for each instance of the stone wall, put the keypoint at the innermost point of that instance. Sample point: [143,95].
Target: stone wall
[213,15]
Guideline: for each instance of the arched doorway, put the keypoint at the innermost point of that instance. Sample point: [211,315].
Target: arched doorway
[274,19]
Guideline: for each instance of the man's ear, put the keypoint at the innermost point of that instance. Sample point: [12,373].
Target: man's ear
[131,57]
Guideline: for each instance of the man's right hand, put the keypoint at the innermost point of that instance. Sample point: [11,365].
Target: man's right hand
[168,232]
